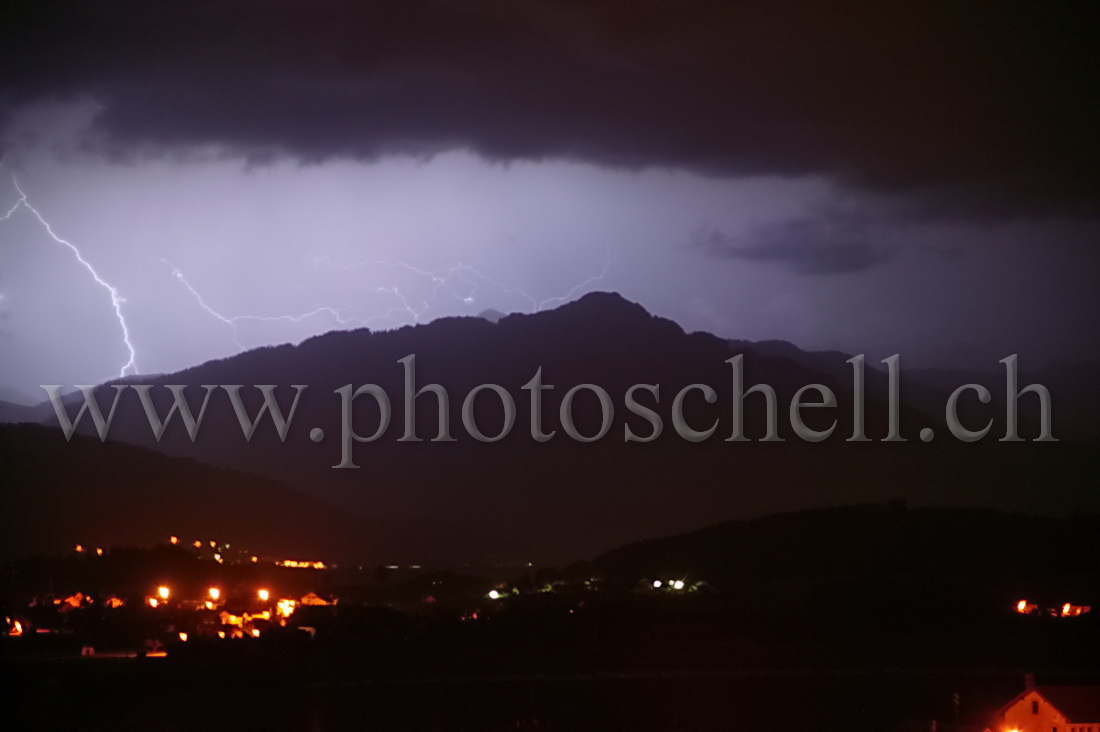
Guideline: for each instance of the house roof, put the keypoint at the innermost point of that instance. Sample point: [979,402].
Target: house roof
[1075,703]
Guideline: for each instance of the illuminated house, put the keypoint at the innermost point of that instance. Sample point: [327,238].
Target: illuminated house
[314,599]
[1051,709]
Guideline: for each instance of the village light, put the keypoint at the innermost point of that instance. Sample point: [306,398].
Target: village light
[263,595]
[493,594]
[678,585]
[656,584]
[163,592]
[215,593]
[183,637]
[153,602]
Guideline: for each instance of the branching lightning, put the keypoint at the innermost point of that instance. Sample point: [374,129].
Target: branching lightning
[461,282]
[130,367]
[235,320]
[441,279]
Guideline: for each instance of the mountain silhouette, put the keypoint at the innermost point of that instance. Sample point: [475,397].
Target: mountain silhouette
[59,494]
[888,540]
[519,500]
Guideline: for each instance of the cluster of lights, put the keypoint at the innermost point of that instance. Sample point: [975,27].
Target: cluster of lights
[199,544]
[284,608]
[1068,610]
[213,594]
[674,584]
[79,548]
[295,564]
[219,549]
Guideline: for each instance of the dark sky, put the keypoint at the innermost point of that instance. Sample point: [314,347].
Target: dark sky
[920,179]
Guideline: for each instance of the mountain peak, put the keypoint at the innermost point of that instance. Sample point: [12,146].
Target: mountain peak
[605,306]
[492,315]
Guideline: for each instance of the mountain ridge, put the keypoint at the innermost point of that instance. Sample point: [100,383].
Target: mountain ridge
[563,499]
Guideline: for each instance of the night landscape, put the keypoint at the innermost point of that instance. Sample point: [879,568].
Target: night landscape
[479,365]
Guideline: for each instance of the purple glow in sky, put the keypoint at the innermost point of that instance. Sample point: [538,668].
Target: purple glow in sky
[265,189]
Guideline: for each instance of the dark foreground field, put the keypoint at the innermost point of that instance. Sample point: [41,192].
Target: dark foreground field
[170,694]
[533,685]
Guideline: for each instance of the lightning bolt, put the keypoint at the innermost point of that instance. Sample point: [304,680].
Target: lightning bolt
[460,281]
[469,276]
[130,367]
[234,321]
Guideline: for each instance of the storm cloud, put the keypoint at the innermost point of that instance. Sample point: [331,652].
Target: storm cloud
[826,242]
[859,176]
[974,107]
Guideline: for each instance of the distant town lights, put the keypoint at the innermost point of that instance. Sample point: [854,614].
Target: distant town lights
[294,563]
[263,595]
[163,592]
[214,593]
